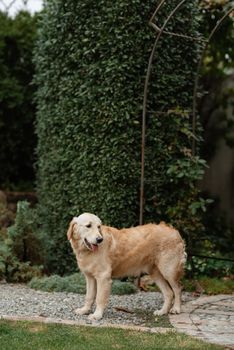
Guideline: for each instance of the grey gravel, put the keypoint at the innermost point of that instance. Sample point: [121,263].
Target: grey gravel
[20,300]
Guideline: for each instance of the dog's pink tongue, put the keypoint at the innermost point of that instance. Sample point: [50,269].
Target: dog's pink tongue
[94,247]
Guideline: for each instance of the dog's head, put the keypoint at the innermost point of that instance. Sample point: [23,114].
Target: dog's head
[87,229]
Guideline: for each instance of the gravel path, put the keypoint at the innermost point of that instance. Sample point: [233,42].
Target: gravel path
[19,300]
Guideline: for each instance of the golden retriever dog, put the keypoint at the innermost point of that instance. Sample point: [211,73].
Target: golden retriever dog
[104,253]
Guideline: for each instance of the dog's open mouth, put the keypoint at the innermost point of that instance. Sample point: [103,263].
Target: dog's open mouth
[90,246]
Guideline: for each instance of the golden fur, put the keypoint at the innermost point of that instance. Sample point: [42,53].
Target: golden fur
[104,252]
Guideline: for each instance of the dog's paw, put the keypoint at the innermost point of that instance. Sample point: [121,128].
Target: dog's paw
[160,312]
[82,311]
[95,316]
[175,310]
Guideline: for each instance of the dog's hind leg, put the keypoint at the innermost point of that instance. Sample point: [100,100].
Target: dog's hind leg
[166,291]
[172,274]
[91,289]
[176,287]
[173,277]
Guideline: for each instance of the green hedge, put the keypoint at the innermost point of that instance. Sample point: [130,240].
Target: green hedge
[91,60]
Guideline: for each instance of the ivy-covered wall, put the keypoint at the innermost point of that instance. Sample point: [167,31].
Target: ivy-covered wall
[91,60]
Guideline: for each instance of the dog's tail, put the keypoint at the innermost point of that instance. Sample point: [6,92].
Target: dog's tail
[183,261]
[185,255]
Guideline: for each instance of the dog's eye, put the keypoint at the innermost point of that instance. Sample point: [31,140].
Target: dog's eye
[88,226]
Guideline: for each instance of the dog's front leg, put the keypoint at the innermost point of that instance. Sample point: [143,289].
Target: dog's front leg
[91,289]
[103,293]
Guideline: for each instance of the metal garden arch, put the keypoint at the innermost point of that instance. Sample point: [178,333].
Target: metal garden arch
[161,30]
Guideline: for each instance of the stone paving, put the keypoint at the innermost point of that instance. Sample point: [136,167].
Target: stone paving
[210,318]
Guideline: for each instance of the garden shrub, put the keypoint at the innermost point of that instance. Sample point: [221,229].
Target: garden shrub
[75,283]
[91,60]
[14,270]
[25,243]
[20,249]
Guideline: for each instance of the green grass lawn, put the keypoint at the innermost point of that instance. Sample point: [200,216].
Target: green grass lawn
[38,336]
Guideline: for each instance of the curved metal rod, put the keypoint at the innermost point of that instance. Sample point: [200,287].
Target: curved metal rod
[158,29]
[219,22]
[145,102]
[156,11]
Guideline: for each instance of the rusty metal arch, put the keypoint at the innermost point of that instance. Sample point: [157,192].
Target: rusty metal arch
[160,31]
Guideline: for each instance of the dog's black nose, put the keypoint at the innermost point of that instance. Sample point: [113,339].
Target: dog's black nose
[99,240]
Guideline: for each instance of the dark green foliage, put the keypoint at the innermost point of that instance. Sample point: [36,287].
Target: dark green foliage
[216,109]
[75,283]
[219,233]
[91,61]
[220,51]
[17,111]
[217,76]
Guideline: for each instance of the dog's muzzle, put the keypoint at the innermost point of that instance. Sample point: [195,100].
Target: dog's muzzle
[91,246]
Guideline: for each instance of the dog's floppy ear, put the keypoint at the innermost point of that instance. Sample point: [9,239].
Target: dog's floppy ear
[71,228]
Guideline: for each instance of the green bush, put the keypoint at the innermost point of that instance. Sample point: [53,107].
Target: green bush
[14,270]
[25,243]
[75,283]
[20,249]
[55,283]
[91,60]
[121,288]
[17,113]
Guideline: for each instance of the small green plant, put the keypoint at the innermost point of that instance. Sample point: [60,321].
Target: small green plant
[209,267]
[75,283]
